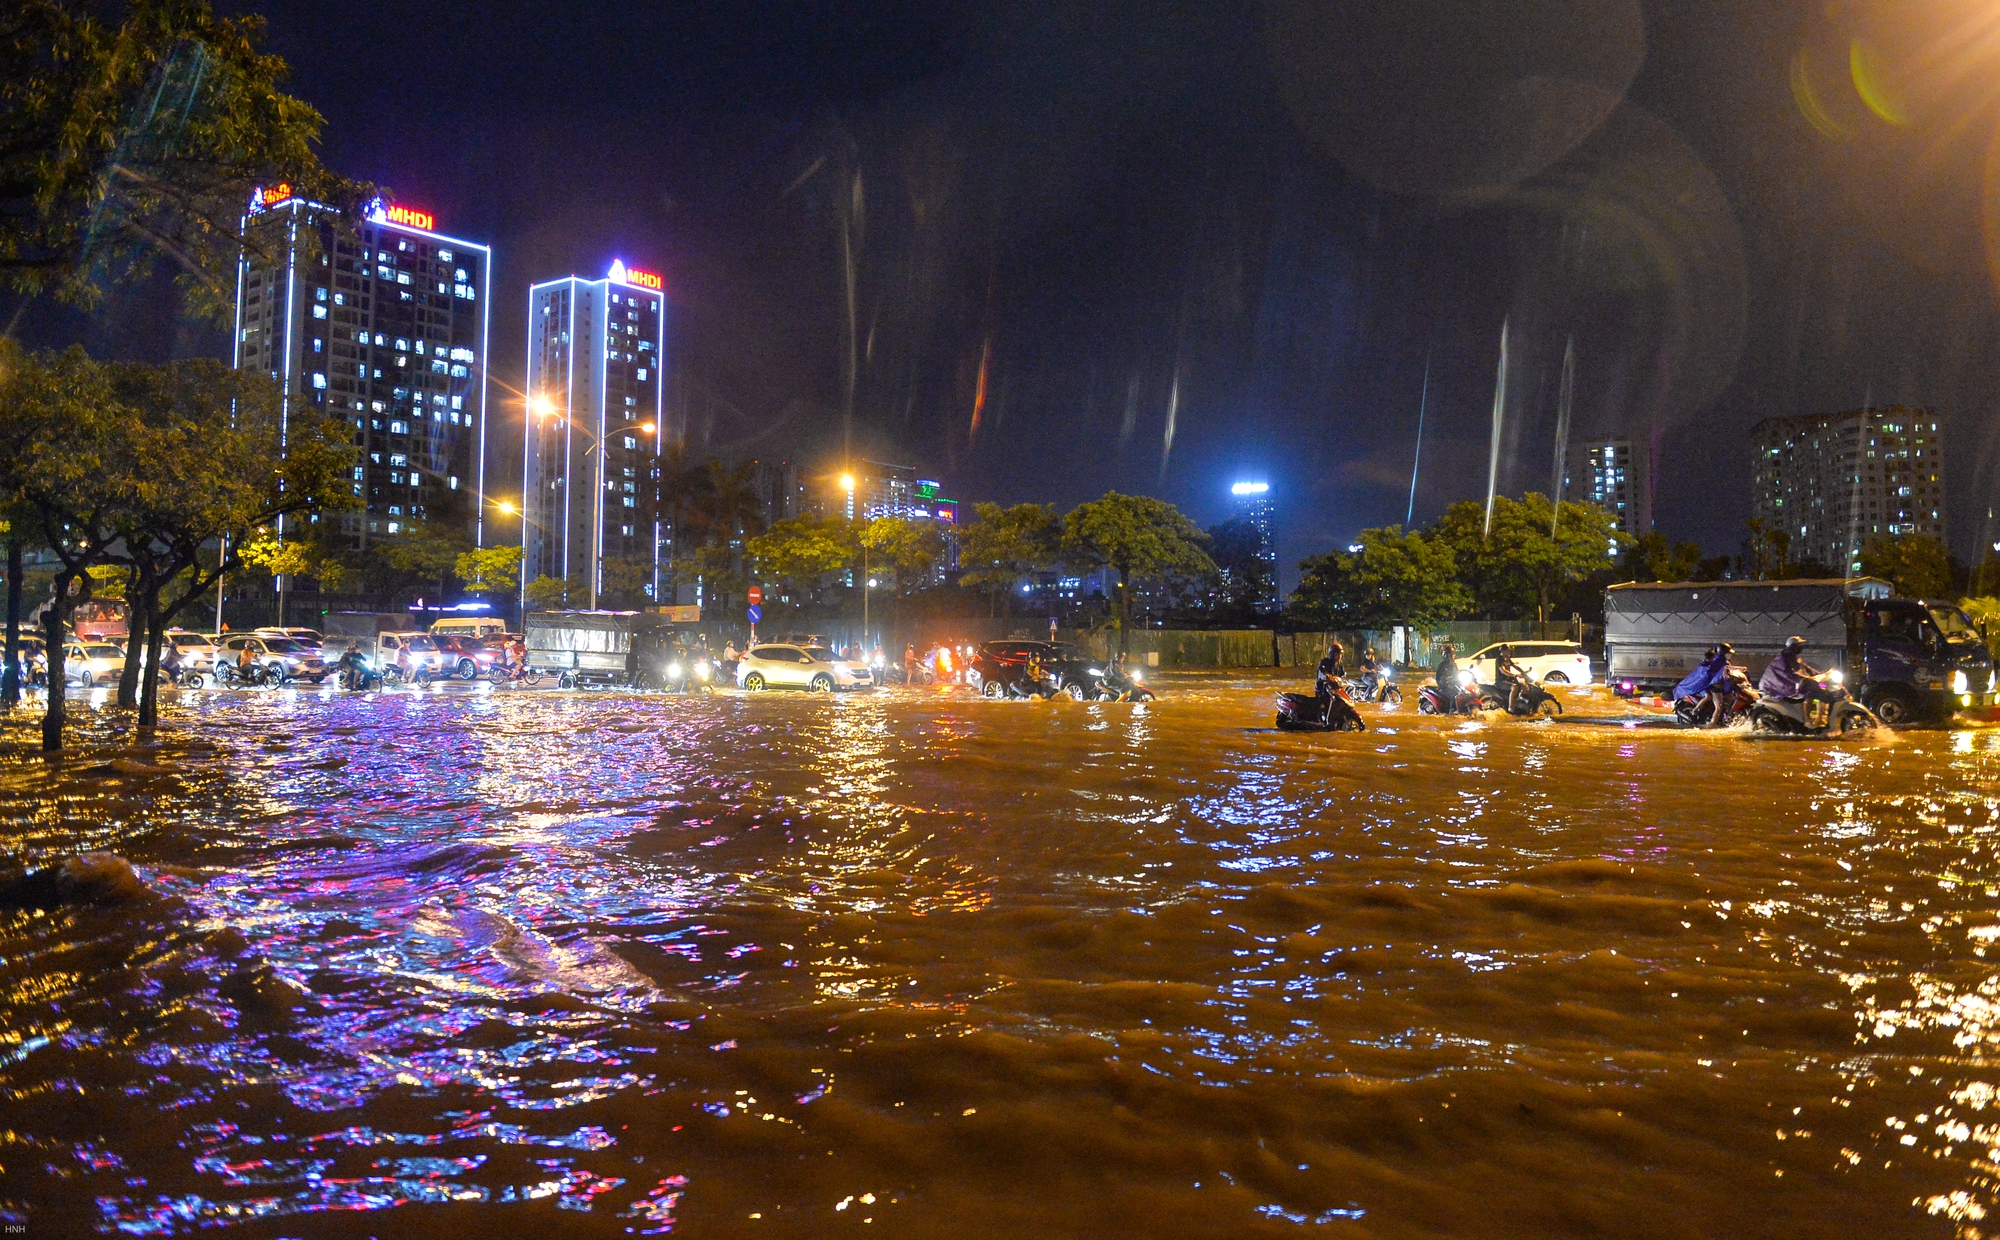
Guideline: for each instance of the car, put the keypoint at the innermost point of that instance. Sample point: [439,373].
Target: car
[92,663]
[306,637]
[998,663]
[197,650]
[486,628]
[1555,663]
[409,652]
[775,664]
[282,658]
[467,658]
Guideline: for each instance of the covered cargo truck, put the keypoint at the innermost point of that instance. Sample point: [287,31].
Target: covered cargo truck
[605,647]
[1904,658]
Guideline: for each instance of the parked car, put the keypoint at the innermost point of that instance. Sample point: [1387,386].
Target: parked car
[281,657]
[92,663]
[1001,662]
[1555,663]
[467,658]
[772,665]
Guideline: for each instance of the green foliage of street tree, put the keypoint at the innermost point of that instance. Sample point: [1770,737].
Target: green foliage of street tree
[1395,576]
[1134,536]
[1653,557]
[1918,565]
[907,548]
[140,467]
[133,133]
[1006,544]
[489,570]
[1519,565]
[546,593]
[805,551]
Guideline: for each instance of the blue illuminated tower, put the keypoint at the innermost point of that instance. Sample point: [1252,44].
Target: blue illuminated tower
[1253,505]
[595,428]
[382,322]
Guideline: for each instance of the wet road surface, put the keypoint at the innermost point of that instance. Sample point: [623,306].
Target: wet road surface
[916,964]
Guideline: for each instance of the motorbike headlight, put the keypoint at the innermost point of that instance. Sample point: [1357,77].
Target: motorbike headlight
[1137,674]
[1465,680]
[701,670]
[673,671]
[1097,671]
[1836,677]
[1991,677]
[1959,682]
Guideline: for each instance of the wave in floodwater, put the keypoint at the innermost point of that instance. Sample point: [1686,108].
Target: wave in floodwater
[919,964]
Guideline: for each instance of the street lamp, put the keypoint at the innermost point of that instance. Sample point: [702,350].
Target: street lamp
[847,485]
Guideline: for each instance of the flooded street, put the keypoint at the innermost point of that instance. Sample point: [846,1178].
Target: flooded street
[424,964]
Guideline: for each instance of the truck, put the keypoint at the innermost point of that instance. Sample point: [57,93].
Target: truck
[1905,659]
[606,647]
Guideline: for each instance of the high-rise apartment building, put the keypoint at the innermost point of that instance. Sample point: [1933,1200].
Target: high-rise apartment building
[380,321]
[1255,506]
[1608,472]
[1832,481]
[594,432]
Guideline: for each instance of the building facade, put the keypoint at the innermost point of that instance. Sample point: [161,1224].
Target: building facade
[594,432]
[1608,471]
[1833,481]
[381,322]
[1255,506]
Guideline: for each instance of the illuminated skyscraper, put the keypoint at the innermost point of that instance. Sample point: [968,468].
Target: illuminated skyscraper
[1614,477]
[1253,505]
[1832,481]
[384,325]
[595,428]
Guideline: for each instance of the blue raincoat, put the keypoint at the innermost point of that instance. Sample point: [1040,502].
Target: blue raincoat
[1713,670]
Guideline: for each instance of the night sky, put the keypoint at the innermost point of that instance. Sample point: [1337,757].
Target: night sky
[1258,222]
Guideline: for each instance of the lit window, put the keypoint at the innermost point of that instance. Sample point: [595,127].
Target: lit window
[319,380]
[397,458]
[642,372]
[444,256]
[399,428]
[631,442]
[452,482]
[319,312]
[394,526]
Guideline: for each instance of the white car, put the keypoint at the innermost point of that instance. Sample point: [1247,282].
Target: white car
[197,650]
[92,663]
[305,637]
[805,667]
[1555,663]
[282,658]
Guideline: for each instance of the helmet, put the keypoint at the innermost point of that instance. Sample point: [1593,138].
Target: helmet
[1795,642]
[1725,648]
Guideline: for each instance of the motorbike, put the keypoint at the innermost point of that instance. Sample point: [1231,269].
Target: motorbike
[230,676]
[694,674]
[1830,712]
[1301,712]
[360,677]
[393,675]
[1697,712]
[1384,691]
[1531,700]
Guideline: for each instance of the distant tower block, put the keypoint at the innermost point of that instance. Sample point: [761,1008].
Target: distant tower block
[1254,505]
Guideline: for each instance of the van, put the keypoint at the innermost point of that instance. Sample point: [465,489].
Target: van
[469,626]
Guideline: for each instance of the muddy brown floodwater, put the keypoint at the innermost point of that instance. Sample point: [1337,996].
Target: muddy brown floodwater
[506,964]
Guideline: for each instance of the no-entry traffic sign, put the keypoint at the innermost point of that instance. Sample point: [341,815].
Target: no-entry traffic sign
[756,596]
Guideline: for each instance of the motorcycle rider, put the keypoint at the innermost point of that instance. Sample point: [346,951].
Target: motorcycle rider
[1789,675]
[1509,675]
[246,664]
[1326,683]
[1721,688]
[353,667]
[1713,669]
[1448,685]
[1371,673]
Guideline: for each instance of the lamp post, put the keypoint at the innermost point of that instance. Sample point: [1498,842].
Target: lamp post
[544,407]
[847,485]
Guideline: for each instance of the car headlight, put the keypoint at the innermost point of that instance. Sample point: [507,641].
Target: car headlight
[1096,671]
[1836,677]
[1959,682]
[673,671]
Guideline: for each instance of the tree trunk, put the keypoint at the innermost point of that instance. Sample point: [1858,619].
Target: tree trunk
[138,617]
[149,689]
[1124,614]
[52,627]
[10,678]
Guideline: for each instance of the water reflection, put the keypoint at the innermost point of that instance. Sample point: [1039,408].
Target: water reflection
[783,963]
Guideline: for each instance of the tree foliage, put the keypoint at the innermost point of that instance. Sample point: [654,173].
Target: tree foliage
[489,570]
[1519,565]
[1135,536]
[1395,576]
[133,133]
[805,549]
[1918,565]
[907,547]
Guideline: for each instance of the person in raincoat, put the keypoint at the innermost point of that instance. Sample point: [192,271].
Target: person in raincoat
[1789,675]
[1714,666]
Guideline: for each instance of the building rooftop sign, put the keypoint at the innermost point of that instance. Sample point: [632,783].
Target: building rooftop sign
[1249,488]
[385,213]
[621,274]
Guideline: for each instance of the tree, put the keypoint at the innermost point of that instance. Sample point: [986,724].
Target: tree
[908,547]
[1007,544]
[1518,566]
[1394,576]
[1653,558]
[1237,547]
[1135,536]
[805,550]
[1918,565]
[489,570]
[1766,549]
[133,138]
[546,593]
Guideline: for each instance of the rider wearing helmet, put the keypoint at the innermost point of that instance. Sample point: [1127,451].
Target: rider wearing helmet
[1508,674]
[1789,675]
[1448,686]
[1326,683]
[1721,688]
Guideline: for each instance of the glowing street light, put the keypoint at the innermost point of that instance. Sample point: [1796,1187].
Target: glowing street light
[541,406]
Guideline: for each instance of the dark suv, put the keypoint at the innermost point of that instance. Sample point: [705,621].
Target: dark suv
[1000,663]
